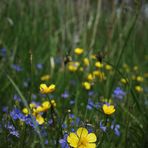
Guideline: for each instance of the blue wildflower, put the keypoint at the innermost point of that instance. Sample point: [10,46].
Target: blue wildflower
[65,95]
[5,109]
[90,104]
[46,142]
[33,96]
[3,52]
[63,142]
[28,120]
[116,129]
[16,114]
[17,98]
[72,102]
[71,116]
[50,122]
[39,66]
[17,68]
[118,93]
[64,125]
[91,93]
[12,130]
[103,128]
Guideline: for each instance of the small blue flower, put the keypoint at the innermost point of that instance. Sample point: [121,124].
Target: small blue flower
[116,129]
[15,133]
[72,102]
[5,109]
[33,96]
[65,95]
[39,66]
[16,67]
[16,114]
[64,125]
[17,98]
[50,122]
[91,93]
[3,52]
[46,142]
[28,120]
[90,104]
[63,142]
[103,128]
[118,93]
[12,129]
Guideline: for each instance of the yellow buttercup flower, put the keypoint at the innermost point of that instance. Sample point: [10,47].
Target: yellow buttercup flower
[135,67]
[90,77]
[40,119]
[98,64]
[45,78]
[124,81]
[44,89]
[38,109]
[73,66]
[82,139]
[46,105]
[86,61]
[53,103]
[99,74]
[25,111]
[108,67]
[78,51]
[93,56]
[138,88]
[139,79]
[32,105]
[108,109]
[86,85]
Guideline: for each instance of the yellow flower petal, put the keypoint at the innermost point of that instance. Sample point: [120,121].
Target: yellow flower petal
[40,119]
[91,145]
[82,132]
[73,140]
[91,137]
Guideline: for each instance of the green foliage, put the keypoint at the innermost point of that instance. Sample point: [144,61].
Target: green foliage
[45,32]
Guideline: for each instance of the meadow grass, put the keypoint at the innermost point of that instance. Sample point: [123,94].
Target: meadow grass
[39,38]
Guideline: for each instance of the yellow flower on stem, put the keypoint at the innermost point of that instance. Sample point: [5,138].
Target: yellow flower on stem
[90,77]
[124,81]
[108,67]
[45,77]
[86,61]
[73,66]
[82,139]
[40,119]
[86,85]
[44,89]
[53,103]
[46,105]
[25,111]
[138,88]
[78,51]
[98,64]
[139,79]
[99,74]
[108,109]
